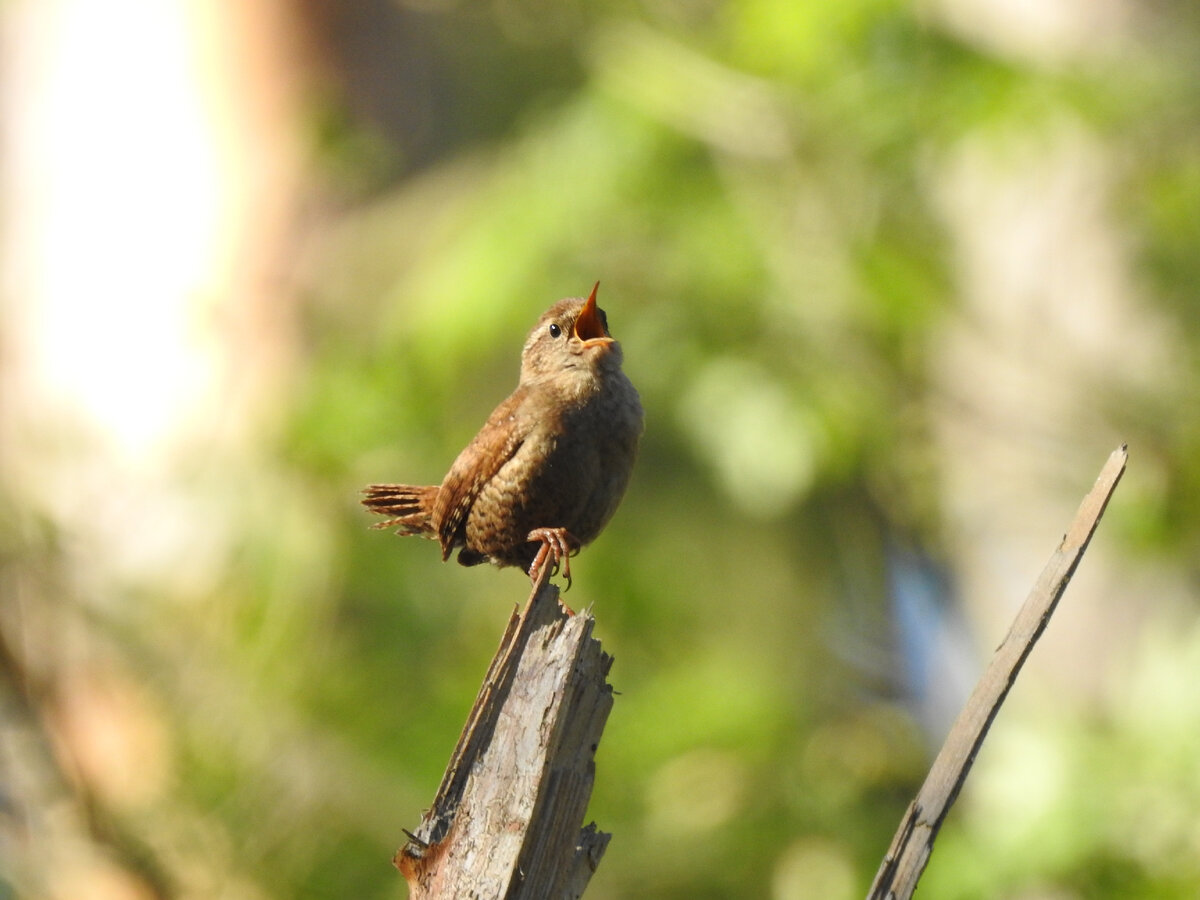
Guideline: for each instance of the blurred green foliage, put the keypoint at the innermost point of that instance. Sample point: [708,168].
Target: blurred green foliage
[755,185]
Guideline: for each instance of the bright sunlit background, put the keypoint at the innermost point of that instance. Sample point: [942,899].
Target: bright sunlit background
[893,279]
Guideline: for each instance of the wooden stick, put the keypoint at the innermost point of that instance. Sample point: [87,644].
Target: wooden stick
[506,820]
[910,849]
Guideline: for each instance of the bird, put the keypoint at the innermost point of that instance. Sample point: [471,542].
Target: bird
[548,469]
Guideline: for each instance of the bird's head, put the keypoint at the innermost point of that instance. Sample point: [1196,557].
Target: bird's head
[570,342]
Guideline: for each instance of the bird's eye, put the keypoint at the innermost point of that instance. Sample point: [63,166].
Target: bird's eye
[555,331]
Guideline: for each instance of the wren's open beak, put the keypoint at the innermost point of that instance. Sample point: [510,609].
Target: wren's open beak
[589,327]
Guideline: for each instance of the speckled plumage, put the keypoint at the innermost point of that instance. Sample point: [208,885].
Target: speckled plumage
[549,467]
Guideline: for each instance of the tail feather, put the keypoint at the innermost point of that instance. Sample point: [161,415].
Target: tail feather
[410,507]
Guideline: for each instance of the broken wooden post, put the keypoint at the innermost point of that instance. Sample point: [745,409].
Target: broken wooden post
[507,819]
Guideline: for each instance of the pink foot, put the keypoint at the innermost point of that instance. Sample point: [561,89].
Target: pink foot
[558,546]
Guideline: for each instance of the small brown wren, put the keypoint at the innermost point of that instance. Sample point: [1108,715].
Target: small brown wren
[549,467]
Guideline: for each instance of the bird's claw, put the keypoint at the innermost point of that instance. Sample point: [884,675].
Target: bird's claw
[558,546]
